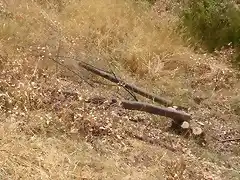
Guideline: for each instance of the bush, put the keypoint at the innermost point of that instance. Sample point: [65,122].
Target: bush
[214,23]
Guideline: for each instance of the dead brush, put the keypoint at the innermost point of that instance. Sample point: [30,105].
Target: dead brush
[176,169]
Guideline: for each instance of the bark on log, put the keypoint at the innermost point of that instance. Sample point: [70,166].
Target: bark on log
[135,89]
[178,116]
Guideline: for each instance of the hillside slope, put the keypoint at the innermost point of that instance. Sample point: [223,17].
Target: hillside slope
[49,134]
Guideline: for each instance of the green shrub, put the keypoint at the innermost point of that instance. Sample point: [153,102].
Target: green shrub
[214,23]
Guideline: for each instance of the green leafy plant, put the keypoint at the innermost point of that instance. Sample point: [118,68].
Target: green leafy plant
[213,23]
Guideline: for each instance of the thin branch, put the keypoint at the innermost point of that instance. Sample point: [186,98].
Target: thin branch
[129,91]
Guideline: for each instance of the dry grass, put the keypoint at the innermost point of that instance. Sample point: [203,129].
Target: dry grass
[45,134]
[124,31]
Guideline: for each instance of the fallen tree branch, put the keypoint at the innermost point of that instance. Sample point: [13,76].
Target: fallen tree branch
[135,89]
[126,89]
[179,116]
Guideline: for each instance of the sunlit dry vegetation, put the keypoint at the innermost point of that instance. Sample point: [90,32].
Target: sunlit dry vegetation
[47,134]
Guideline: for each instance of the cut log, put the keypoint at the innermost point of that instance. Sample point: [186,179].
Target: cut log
[135,89]
[199,136]
[197,131]
[179,116]
[185,125]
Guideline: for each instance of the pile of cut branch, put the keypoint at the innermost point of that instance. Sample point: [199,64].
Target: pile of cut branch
[180,119]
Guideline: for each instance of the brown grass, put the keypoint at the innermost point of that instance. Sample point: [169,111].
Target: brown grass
[44,134]
[125,31]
